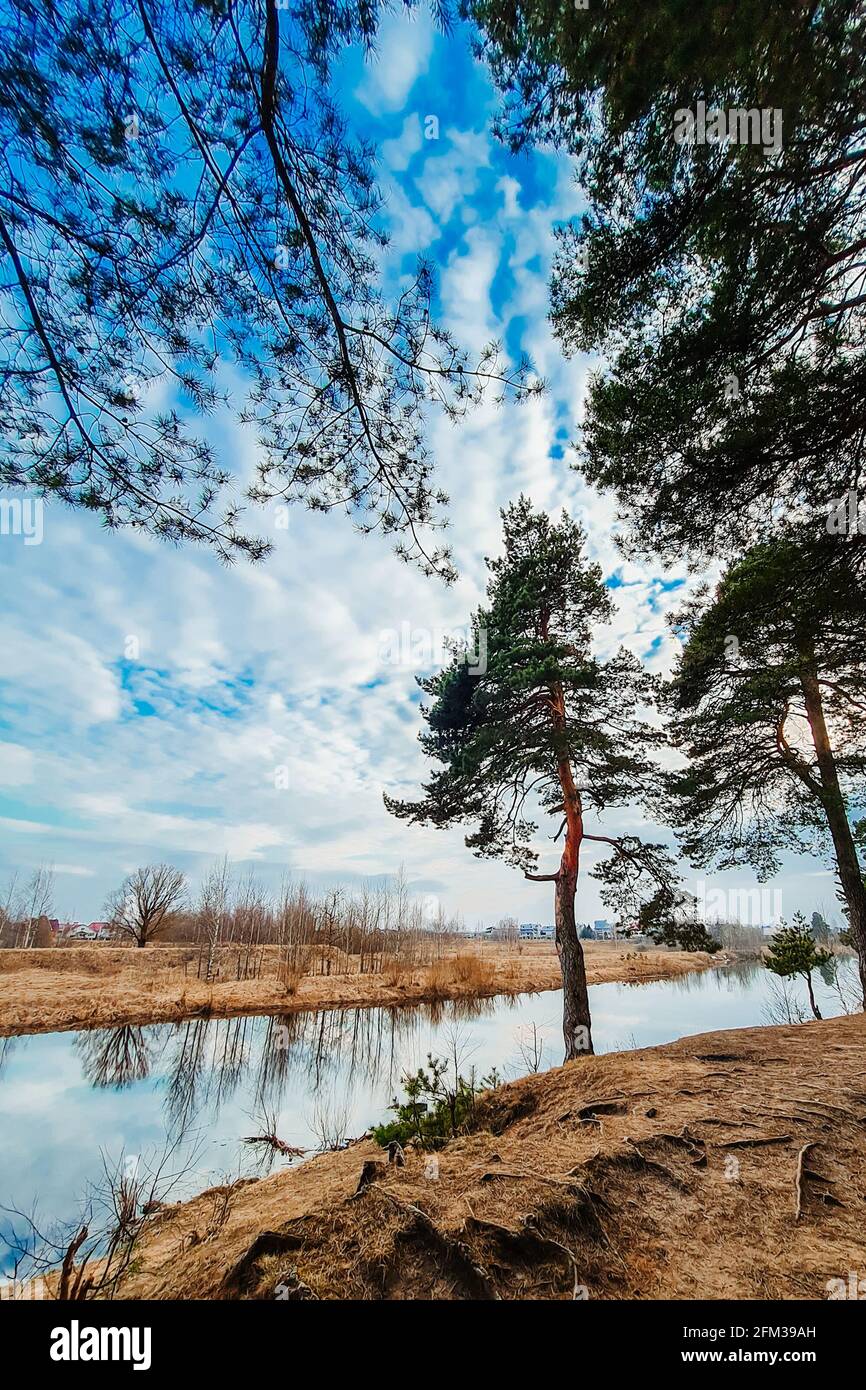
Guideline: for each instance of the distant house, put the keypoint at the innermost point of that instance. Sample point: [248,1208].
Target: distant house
[79,931]
[529,931]
[631,930]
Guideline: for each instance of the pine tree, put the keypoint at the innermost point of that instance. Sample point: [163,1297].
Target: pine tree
[793,952]
[189,227]
[542,722]
[768,704]
[720,277]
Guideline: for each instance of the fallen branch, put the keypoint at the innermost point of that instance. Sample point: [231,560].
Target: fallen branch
[728,1124]
[271,1141]
[492,1175]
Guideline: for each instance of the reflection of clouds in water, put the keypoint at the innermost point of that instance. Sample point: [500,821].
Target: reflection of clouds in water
[74,1096]
[609,1018]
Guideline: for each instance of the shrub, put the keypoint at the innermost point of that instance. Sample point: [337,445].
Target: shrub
[436,1107]
[465,969]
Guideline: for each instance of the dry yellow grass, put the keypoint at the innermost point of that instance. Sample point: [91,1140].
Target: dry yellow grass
[104,986]
[474,973]
[664,1173]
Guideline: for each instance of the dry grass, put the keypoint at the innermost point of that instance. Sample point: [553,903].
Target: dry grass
[395,973]
[613,1175]
[90,986]
[475,974]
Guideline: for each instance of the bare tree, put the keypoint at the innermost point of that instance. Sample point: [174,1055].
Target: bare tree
[330,1123]
[213,911]
[531,1046]
[783,1004]
[142,905]
[506,929]
[38,896]
[87,1258]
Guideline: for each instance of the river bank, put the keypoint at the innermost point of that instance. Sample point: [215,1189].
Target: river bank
[724,1165]
[65,988]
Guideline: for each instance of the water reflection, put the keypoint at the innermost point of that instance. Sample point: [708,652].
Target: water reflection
[113,1057]
[68,1099]
[202,1063]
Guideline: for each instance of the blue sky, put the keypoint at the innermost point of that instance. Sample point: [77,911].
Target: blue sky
[154,705]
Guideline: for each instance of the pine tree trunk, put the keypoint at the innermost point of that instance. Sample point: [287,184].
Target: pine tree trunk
[576,1022]
[815,1010]
[847,861]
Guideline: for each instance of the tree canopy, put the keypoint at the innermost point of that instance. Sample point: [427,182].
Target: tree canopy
[503,734]
[189,227]
[724,281]
[739,711]
[767,705]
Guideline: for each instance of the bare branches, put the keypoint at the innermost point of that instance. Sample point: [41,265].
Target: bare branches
[219,230]
[143,904]
[88,1257]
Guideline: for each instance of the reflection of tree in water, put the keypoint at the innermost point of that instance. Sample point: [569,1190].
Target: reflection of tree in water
[348,1046]
[310,1050]
[209,1062]
[208,1059]
[727,979]
[114,1056]
[6,1047]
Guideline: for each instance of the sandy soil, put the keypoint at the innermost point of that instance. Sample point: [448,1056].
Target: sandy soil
[101,986]
[727,1165]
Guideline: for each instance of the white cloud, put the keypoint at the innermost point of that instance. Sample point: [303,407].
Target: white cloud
[450,176]
[396,154]
[16,765]
[50,665]
[403,47]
